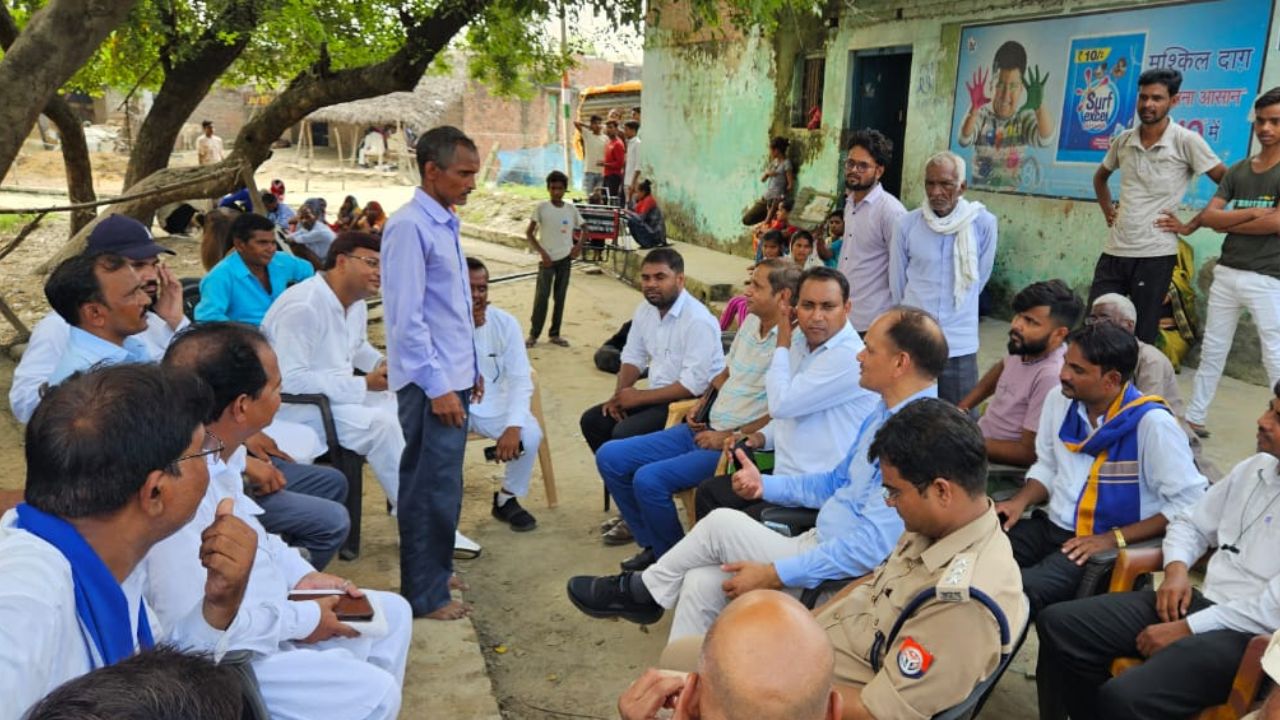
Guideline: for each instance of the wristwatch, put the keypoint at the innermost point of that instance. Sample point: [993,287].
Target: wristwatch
[1120,543]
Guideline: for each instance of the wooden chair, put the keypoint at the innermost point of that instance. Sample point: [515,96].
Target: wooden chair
[544,449]
[1132,565]
[675,415]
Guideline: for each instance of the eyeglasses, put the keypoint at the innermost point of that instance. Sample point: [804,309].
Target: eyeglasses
[374,263]
[858,166]
[210,446]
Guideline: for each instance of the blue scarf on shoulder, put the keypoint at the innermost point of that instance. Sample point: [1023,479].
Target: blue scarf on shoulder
[1111,497]
[100,601]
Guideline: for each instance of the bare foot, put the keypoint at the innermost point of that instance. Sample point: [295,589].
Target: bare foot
[457,583]
[455,610]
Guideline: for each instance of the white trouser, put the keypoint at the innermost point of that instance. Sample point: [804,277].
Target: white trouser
[371,429]
[520,470]
[343,678]
[302,442]
[689,577]
[1232,291]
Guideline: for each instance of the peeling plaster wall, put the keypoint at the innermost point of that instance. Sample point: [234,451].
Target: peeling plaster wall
[710,114]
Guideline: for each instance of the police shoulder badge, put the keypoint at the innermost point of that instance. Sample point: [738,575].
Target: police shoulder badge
[913,659]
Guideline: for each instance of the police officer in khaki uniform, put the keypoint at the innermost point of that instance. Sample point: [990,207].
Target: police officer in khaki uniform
[934,470]
[954,545]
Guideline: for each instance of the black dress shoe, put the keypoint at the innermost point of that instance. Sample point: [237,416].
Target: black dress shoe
[639,561]
[610,597]
[512,514]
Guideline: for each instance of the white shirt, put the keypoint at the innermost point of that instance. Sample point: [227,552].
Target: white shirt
[816,402]
[208,149]
[556,226]
[682,347]
[633,161]
[266,618]
[319,343]
[1168,480]
[46,347]
[1240,510]
[508,385]
[593,152]
[42,643]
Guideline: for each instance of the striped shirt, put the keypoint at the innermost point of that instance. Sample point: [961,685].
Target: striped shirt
[742,397]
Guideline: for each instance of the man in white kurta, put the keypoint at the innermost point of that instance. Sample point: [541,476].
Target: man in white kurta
[43,640]
[308,663]
[503,413]
[319,330]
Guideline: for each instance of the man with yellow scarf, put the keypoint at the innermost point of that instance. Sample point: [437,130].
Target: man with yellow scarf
[1111,463]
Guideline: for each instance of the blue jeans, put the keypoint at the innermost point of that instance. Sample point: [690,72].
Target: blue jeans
[643,472]
[309,511]
[430,499]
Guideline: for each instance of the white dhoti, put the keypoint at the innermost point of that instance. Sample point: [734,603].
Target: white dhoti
[371,429]
[518,471]
[342,678]
[689,577]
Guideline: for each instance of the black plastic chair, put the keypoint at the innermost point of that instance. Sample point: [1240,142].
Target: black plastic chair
[973,704]
[793,521]
[348,462]
[190,297]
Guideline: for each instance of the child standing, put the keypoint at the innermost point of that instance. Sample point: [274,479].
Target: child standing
[558,242]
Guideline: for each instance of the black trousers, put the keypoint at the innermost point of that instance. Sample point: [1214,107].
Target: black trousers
[1145,281]
[1047,575]
[552,281]
[717,492]
[598,428]
[1079,639]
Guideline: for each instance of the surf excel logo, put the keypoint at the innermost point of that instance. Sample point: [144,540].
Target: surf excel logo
[1098,101]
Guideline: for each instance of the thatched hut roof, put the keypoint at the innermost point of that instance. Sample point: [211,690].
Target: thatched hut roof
[420,109]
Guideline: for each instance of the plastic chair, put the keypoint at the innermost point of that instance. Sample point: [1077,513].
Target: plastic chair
[973,704]
[1132,566]
[348,462]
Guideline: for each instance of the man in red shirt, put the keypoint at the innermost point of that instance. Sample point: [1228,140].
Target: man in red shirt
[615,161]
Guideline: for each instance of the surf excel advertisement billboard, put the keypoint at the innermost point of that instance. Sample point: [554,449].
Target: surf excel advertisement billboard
[1037,102]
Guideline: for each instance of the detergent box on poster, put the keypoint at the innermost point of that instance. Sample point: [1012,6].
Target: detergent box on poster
[1101,94]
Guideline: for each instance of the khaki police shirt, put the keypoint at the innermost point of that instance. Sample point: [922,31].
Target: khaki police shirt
[946,648]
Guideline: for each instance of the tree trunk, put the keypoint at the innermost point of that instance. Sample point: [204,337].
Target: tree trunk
[314,88]
[186,83]
[75,151]
[57,40]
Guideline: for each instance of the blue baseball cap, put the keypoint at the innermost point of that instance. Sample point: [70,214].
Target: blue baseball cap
[125,236]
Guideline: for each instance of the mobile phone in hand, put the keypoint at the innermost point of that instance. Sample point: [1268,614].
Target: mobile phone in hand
[491,452]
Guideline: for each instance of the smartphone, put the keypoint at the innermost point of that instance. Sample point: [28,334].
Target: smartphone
[491,452]
[348,609]
[733,454]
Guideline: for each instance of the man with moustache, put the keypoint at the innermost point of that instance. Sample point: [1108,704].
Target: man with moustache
[870,214]
[729,553]
[940,260]
[129,239]
[1111,463]
[431,364]
[1044,312]
[1192,639]
[1158,159]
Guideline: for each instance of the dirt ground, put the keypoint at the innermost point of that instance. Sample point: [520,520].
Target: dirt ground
[544,658]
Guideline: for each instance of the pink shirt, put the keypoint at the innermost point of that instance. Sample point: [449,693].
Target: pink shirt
[864,255]
[1020,395]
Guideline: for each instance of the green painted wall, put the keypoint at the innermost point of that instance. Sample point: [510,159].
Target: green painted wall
[723,103]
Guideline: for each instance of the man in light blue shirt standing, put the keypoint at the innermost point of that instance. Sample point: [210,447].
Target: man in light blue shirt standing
[101,298]
[431,364]
[940,260]
[728,554]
